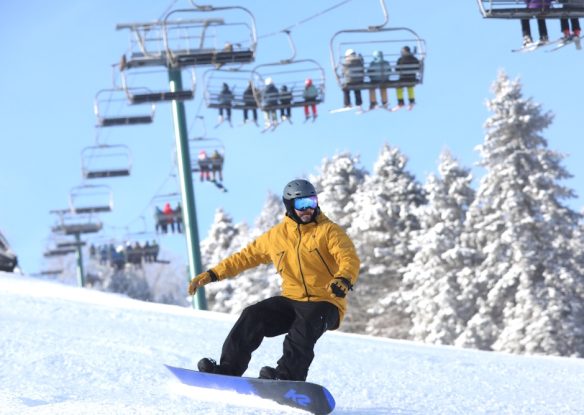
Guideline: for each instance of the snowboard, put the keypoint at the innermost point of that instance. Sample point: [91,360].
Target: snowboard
[311,397]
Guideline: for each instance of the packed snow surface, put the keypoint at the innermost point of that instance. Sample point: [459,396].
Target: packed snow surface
[67,350]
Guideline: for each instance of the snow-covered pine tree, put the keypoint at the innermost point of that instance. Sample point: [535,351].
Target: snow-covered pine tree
[338,180]
[525,291]
[272,213]
[429,289]
[382,229]
[251,286]
[214,248]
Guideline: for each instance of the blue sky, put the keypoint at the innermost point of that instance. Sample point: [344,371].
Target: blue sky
[57,55]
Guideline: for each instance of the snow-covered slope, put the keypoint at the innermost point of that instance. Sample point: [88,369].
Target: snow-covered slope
[66,350]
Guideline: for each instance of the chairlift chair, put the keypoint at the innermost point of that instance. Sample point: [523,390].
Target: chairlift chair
[291,72]
[198,145]
[105,161]
[58,252]
[517,9]
[153,76]
[390,42]
[111,107]
[91,199]
[193,41]
[74,224]
[49,272]
[236,79]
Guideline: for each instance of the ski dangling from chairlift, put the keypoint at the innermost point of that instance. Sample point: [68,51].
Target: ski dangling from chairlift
[375,60]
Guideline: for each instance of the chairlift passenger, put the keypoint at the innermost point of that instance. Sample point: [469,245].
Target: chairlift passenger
[269,98]
[250,104]
[378,71]
[353,73]
[310,94]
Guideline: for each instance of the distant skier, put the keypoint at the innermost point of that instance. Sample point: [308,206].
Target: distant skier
[318,265]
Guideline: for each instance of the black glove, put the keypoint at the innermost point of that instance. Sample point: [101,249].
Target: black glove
[339,287]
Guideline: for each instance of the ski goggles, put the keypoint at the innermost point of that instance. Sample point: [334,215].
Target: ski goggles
[303,203]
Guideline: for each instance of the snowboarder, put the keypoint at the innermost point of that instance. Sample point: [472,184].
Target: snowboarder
[318,265]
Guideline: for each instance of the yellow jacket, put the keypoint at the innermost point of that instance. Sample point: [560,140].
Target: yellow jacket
[306,256]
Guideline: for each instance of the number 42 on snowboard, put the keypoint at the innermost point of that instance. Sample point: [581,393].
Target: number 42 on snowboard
[311,397]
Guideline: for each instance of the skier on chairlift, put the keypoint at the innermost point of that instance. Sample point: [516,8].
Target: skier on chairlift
[310,94]
[378,71]
[225,102]
[269,102]
[250,104]
[407,66]
[353,75]
[285,102]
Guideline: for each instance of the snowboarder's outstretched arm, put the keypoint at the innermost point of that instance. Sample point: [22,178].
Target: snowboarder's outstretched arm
[251,256]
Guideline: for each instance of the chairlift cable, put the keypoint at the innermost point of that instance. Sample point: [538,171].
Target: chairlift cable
[305,20]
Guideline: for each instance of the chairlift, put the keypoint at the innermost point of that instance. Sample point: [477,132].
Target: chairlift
[517,9]
[74,224]
[144,245]
[153,76]
[237,80]
[91,199]
[164,219]
[202,150]
[112,108]
[59,252]
[49,272]
[209,41]
[185,38]
[292,73]
[105,161]
[389,41]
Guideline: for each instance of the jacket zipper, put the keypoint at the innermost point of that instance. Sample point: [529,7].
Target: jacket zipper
[299,264]
[278,270]
[324,263]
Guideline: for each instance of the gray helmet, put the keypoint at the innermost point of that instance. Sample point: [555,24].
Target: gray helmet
[298,188]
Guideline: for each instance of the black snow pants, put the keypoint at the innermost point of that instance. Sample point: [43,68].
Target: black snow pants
[304,322]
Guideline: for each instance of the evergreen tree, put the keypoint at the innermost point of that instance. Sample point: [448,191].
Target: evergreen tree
[429,290]
[339,179]
[272,213]
[216,245]
[251,286]
[214,248]
[382,228]
[524,292]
